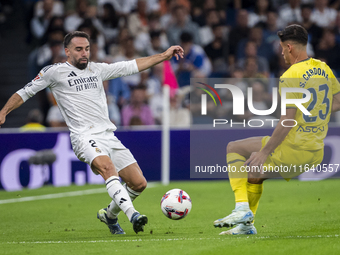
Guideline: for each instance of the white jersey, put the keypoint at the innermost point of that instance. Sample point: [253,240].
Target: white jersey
[80,93]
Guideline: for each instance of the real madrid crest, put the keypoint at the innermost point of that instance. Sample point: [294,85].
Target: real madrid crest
[98,150]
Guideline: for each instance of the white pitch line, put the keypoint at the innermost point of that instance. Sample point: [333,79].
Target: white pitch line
[59,195]
[52,196]
[172,239]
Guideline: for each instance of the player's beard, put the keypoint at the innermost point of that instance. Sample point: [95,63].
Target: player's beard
[82,66]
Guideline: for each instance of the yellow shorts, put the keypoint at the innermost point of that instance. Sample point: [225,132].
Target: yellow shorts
[290,162]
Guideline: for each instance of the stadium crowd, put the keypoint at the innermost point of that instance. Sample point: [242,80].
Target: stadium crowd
[221,38]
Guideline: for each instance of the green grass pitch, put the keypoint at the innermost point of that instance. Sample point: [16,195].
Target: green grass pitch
[293,218]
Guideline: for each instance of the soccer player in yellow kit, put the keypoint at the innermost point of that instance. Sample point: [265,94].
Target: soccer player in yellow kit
[296,143]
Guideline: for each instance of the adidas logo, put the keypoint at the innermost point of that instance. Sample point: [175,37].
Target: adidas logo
[122,200]
[72,74]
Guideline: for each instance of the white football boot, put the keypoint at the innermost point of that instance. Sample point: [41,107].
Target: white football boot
[241,229]
[238,216]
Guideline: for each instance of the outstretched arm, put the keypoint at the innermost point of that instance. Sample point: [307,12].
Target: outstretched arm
[279,134]
[147,62]
[336,103]
[13,102]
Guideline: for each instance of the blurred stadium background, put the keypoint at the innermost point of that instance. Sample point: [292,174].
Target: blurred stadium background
[224,39]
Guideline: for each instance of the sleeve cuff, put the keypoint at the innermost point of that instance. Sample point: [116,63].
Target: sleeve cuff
[22,93]
[134,62]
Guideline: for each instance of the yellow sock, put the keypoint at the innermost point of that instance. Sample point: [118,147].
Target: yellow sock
[254,195]
[238,180]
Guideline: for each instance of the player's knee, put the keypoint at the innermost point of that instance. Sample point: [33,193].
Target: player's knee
[255,180]
[140,186]
[231,147]
[105,168]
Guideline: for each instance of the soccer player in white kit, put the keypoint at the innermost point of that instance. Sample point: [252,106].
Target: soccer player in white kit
[77,86]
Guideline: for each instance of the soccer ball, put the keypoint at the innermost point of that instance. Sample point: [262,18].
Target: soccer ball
[176,204]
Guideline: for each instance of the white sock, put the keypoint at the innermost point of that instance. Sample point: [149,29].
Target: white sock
[129,212]
[119,194]
[113,209]
[132,194]
[242,206]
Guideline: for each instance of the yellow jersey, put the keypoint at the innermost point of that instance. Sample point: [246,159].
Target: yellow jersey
[315,76]
[32,127]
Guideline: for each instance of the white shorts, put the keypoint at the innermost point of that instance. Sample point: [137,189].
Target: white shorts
[88,147]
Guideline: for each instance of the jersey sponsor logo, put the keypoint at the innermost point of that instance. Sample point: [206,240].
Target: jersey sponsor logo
[72,74]
[310,129]
[81,80]
[81,83]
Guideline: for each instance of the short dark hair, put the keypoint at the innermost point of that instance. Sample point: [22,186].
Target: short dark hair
[186,37]
[294,33]
[155,34]
[140,86]
[214,26]
[306,6]
[35,116]
[178,7]
[73,34]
